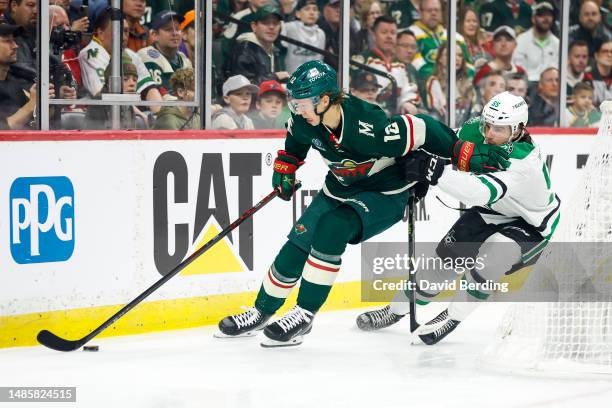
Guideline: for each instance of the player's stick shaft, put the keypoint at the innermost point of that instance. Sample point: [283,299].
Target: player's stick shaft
[412,274]
[52,341]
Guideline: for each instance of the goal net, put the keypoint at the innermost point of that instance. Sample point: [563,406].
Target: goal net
[571,332]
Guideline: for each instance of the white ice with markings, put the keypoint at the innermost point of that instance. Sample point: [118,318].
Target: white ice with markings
[337,366]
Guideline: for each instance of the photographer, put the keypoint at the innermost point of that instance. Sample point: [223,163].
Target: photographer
[17,105]
[64,70]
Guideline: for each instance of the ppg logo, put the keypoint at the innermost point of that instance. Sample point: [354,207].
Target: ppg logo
[42,219]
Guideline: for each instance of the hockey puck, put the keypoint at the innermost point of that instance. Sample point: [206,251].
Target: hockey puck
[91,348]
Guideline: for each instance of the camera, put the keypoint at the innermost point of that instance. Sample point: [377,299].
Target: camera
[59,75]
[61,39]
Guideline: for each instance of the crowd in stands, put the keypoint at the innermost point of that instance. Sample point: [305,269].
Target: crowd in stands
[399,58]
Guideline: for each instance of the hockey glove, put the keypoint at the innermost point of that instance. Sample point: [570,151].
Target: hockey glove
[283,179]
[424,167]
[479,158]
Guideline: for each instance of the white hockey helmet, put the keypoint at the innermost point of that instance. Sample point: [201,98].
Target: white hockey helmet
[505,109]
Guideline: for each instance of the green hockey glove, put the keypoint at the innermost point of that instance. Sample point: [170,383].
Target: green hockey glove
[283,179]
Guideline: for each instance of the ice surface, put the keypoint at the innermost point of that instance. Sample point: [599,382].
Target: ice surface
[337,366]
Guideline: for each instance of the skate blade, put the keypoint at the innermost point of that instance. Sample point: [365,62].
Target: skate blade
[269,343]
[220,335]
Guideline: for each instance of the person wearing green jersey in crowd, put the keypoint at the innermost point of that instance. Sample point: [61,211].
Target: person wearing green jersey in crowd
[365,192]
[511,217]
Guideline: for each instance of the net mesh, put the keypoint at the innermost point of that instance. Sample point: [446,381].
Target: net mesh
[563,335]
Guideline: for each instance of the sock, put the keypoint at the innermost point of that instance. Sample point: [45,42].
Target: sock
[281,278]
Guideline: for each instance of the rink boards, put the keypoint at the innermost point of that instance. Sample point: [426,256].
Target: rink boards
[89,220]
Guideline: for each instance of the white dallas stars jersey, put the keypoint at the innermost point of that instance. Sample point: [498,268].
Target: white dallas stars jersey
[522,191]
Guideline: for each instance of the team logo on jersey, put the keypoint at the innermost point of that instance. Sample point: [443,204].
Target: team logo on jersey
[153,53]
[366,129]
[348,171]
[300,229]
[508,147]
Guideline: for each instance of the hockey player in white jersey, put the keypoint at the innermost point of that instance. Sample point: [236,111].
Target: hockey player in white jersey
[511,216]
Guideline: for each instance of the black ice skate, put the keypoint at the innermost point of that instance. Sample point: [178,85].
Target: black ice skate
[245,324]
[289,329]
[377,319]
[437,328]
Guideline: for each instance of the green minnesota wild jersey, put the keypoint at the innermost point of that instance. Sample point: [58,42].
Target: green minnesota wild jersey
[160,68]
[428,43]
[404,13]
[361,155]
[522,191]
[499,12]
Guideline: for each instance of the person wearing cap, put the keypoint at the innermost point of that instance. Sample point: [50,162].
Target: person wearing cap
[233,30]
[17,105]
[330,24]
[504,44]
[95,58]
[188,35]
[180,117]
[430,34]
[538,48]
[163,58]
[590,27]
[98,117]
[24,14]
[364,85]
[255,55]
[133,10]
[237,95]
[306,30]
[271,101]
[512,13]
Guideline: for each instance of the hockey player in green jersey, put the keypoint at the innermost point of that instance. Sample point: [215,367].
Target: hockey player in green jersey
[512,216]
[365,192]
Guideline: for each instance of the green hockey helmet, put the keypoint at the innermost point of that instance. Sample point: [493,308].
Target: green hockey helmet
[311,80]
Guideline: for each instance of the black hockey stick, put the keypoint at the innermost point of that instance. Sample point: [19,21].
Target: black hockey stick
[412,274]
[48,339]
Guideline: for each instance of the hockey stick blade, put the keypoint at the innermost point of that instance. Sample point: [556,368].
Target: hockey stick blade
[53,341]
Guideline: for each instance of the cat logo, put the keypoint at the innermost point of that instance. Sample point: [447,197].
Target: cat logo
[366,129]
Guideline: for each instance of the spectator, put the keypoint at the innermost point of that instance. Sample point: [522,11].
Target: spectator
[287,8]
[512,13]
[364,39]
[405,51]
[590,28]
[255,55]
[306,30]
[430,33]
[437,87]
[237,95]
[133,10]
[16,106]
[99,117]
[24,13]
[600,76]
[163,58]
[95,57]
[504,44]
[518,85]
[405,13]
[538,48]
[491,84]
[59,18]
[233,30]
[364,85]
[382,57]
[271,100]
[188,34]
[543,109]
[582,113]
[180,117]
[475,37]
[578,64]
[330,24]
